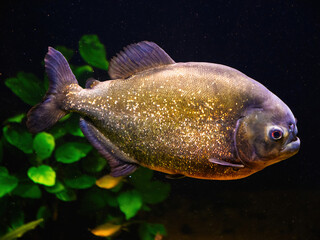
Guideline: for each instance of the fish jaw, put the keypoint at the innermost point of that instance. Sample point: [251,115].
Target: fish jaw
[286,152]
[291,149]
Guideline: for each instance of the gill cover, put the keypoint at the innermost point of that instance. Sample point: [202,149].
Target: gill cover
[253,144]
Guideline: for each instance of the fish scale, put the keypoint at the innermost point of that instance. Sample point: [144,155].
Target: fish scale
[166,127]
[200,120]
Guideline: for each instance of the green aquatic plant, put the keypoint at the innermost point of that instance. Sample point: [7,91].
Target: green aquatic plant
[39,173]
[18,232]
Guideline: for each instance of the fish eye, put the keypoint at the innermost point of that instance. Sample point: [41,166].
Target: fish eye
[276,133]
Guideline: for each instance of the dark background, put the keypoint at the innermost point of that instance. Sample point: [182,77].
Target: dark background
[274,42]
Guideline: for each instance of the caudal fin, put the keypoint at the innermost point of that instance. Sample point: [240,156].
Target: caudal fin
[47,113]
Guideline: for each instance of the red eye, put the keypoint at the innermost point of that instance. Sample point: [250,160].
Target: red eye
[276,134]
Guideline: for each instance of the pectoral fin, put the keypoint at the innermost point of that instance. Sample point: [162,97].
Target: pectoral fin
[120,163]
[224,163]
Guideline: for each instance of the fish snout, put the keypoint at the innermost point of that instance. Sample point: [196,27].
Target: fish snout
[293,132]
[292,144]
[293,147]
[292,137]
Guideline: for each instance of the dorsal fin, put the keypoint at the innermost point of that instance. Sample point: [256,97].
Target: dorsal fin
[138,57]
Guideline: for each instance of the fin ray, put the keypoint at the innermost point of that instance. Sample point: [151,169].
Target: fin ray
[47,113]
[58,71]
[136,58]
[120,163]
[224,163]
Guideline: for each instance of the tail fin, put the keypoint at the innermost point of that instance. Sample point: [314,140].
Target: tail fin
[47,113]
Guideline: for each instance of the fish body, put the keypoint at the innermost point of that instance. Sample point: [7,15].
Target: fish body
[201,120]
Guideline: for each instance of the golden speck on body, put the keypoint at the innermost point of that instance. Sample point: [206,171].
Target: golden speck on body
[164,121]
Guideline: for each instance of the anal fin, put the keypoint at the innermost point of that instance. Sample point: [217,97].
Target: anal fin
[120,163]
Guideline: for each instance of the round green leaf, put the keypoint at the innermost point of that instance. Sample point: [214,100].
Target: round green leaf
[94,200]
[18,137]
[97,198]
[7,182]
[27,190]
[148,231]
[58,131]
[154,192]
[80,182]
[44,213]
[93,51]
[67,195]
[3,171]
[72,126]
[117,188]
[141,176]
[72,152]
[43,144]
[17,119]
[130,203]
[43,175]
[74,129]
[27,87]
[56,188]
[94,163]
[83,72]
[66,117]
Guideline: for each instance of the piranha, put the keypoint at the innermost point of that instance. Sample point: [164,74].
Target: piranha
[195,119]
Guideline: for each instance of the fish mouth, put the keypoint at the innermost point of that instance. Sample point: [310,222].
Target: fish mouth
[292,147]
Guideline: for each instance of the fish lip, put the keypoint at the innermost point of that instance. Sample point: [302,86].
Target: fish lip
[292,147]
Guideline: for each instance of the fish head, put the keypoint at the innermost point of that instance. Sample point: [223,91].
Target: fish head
[267,135]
